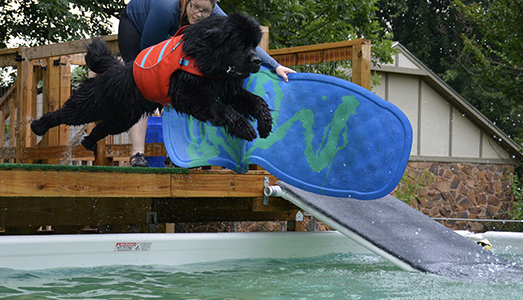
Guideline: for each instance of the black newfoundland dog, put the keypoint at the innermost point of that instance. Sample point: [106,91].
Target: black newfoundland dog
[204,80]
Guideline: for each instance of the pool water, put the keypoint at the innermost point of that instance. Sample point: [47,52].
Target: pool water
[336,276]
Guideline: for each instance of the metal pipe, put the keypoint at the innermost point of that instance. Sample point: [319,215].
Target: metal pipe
[477,220]
[273,191]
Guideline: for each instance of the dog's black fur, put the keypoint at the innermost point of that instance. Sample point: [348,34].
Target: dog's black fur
[224,51]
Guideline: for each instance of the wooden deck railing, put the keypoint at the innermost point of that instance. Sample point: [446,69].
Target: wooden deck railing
[48,69]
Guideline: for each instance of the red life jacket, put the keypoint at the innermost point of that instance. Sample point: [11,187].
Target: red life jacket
[154,66]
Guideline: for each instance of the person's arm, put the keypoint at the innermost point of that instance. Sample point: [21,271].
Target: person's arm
[267,60]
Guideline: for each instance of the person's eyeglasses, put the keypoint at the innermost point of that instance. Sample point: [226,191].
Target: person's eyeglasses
[195,9]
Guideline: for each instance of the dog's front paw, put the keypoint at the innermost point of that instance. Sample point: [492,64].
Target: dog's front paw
[243,130]
[264,128]
[265,125]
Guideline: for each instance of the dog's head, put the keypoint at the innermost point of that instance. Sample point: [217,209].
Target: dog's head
[224,46]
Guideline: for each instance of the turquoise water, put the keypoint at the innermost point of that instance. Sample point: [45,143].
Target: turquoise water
[341,276]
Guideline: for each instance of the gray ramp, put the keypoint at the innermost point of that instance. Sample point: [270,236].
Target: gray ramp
[402,235]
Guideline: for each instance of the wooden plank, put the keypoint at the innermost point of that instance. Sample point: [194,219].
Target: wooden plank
[65,93]
[317,47]
[50,103]
[55,152]
[181,210]
[274,204]
[7,153]
[24,91]
[12,127]
[36,212]
[264,43]
[101,159]
[7,57]
[2,130]
[314,57]
[124,150]
[213,184]
[67,48]
[36,183]
[78,151]
[76,59]
[7,95]
[49,183]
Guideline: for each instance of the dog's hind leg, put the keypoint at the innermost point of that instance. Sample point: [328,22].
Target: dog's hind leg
[99,132]
[105,128]
[78,110]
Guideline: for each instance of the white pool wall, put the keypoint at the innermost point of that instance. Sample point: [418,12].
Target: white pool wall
[63,251]
[32,252]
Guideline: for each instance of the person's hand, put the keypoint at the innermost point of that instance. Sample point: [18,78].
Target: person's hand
[283,71]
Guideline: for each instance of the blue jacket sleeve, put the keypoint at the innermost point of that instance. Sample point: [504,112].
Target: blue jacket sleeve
[267,60]
[162,19]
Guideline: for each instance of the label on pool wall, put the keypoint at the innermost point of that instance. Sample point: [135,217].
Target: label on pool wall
[133,246]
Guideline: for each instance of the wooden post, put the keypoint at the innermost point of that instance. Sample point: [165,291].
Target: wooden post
[264,43]
[65,92]
[23,99]
[2,131]
[361,60]
[101,158]
[12,123]
[51,102]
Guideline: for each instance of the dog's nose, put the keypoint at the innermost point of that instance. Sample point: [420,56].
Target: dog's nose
[256,61]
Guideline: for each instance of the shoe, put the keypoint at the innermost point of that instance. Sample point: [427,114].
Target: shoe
[138,160]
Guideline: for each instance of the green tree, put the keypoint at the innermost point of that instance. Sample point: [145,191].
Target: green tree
[428,29]
[50,21]
[442,33]
[307,22]
[492,55]
[40,22]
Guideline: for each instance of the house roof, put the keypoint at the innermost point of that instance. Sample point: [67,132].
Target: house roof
[415,67]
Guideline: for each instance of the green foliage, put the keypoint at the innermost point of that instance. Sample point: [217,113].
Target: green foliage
[410,186]
[321,21]
[517,207]
[40,22]
[78,75]
[491,54]
[474,46]
[494,48]
[52,21]
[428,29]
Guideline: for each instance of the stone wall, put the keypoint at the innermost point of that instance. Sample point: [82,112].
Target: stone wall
[462,190]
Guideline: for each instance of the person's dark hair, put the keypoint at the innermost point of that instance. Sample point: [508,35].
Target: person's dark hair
[183,11]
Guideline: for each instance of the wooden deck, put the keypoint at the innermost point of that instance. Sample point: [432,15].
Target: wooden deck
[67,196]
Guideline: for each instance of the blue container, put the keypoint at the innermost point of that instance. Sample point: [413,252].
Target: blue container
[154,135]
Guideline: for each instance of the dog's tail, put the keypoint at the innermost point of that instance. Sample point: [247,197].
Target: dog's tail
[99,57]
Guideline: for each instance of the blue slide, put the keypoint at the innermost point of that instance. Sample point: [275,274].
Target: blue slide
[330,137]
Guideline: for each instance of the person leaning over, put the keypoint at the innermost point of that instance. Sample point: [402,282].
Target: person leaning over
[144,23]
